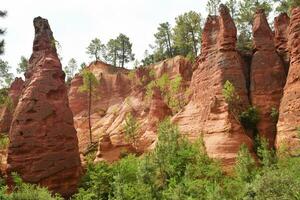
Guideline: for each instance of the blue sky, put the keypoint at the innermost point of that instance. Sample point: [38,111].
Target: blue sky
[75,22]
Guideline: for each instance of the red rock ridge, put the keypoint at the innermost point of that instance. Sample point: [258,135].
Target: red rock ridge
[43,143]
[289,113]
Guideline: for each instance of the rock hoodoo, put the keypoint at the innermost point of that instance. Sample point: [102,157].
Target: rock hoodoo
[7,113]
[207,113]
[267,77]
[281,24]
[288,135]
[43,143]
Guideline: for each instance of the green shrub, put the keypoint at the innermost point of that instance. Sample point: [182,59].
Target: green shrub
[249,118]
[274,115]
[4,141]
[245,165]
[131,128]
[25,191]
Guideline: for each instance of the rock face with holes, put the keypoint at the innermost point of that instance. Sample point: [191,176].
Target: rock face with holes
[7,113]
[288,135]
[267,77]
[43,143]
[207,113]
[281,25]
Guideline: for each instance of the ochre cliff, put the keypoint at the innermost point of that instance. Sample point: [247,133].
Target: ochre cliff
[120,92]
[43,143]
[207,113]
[267,77]
[288,133]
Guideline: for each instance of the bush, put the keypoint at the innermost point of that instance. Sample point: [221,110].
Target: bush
[131,129]
[4,141]
[274,115]
[249,118]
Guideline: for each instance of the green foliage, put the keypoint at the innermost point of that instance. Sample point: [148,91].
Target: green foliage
[187,34]
[3,96]
[274,114]
[285,6]
[2,31]
[95,49]
[119,51]
[25,191]
[131,128]
[6,77]
[245,165]
[71,69]
[163,40]
[298,132]
[266,155]
[23,65]
[212,6]
[4,141]
[229,93]
[249,118]
[90,82]
[170,91]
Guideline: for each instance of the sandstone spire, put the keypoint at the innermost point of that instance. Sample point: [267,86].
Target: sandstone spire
[267,77]
[281,24]
[43,143]
[207,113]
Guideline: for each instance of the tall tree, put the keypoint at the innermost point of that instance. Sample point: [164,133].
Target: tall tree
[244,20]
[212,6]
[232,5]
[95,49]
[6,77]
[71,69]
[163,39]
[111,52]
[2,31]
[125,49]
[23,65]
[89,85]
[286,5]
[187,34]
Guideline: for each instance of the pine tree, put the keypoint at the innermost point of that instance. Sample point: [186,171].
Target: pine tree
[2,31]
[187,34]
[212,6]
[163,40]
[71,69]
[23,65]
[89,85]
[95,49]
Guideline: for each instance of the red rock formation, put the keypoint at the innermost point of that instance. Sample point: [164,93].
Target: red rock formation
[281,24]
[13,93]
[267,76]
[43,143]
[207,111]
[289,113]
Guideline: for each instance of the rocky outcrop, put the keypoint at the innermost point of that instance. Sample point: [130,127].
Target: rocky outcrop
[43,143]
[207,113]
[281,24]
[289,114]
[267,77]
[13,94]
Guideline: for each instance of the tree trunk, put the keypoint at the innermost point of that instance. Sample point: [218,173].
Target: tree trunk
[195,43]
[123,53]
[89,110]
